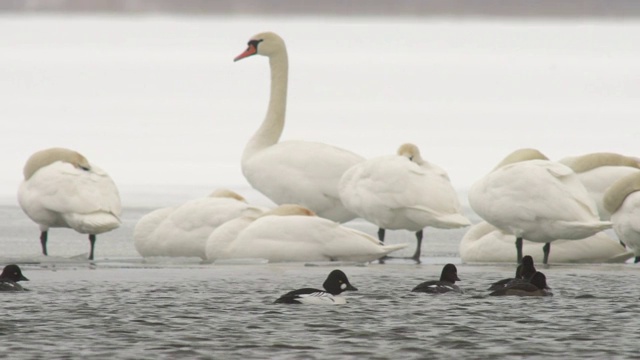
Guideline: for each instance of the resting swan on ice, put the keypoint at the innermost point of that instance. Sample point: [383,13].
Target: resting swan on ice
[402,191]
[291,233]
[536,199]
[484,243]
[182,231]
[622,200]
[61,188]
[598,171]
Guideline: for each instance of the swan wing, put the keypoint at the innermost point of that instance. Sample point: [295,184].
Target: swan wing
[305,238]
[305,173]
[185,230]
[394,192]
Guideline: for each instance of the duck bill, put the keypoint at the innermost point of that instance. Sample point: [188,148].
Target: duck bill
[351,287]
[251,50]
[23,278]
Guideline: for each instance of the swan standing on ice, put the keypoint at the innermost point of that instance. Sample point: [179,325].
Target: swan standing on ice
[598,171]
[622,200]
[536,199]
[62,189]
[402,191]
[292,172]
[292,233]
[183,231]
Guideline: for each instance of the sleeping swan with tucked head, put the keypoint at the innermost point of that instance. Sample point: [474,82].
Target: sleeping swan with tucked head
[535,199]
[402,191]
[182,231]
[598,171]
[292,233]
[62,189]
[622,200]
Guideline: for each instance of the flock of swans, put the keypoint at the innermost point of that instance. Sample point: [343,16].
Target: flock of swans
[318,187]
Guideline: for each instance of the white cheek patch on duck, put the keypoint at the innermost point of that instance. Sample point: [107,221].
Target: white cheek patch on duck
[343,286]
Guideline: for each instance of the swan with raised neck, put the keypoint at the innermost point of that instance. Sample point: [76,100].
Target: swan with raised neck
[298,172]
[272,46]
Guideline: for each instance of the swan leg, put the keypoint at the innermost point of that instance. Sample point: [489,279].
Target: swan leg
[92,240]
[519,249]
[381,238]
[546,249]
[43,241]
[416,255]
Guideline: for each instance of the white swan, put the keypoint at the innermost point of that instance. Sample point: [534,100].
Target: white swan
[292,172]
[217,246]
[183,230]
[62,189]
[598,171]
[484,243]
[292,233]
[622,200]
[535,199]
[402,191]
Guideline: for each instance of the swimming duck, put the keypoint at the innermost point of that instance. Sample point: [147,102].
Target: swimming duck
[334,285]
[448,277]
[10,277]
[524,272]
[537,286]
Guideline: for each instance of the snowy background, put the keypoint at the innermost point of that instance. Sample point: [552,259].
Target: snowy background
[158,102]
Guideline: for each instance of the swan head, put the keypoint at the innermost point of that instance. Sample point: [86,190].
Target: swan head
[225,193]
[411,152]
[580,164]
[290,210]
[266,44]
[615,194]
[522,155]
[46,157]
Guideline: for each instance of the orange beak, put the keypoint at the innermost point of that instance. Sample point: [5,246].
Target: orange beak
[251,50]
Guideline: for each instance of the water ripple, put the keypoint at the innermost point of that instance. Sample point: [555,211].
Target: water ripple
[209,312]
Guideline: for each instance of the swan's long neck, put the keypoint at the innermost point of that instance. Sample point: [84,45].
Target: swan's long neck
[269,132]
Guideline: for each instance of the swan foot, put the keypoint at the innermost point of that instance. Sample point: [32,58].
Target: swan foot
[384,258]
